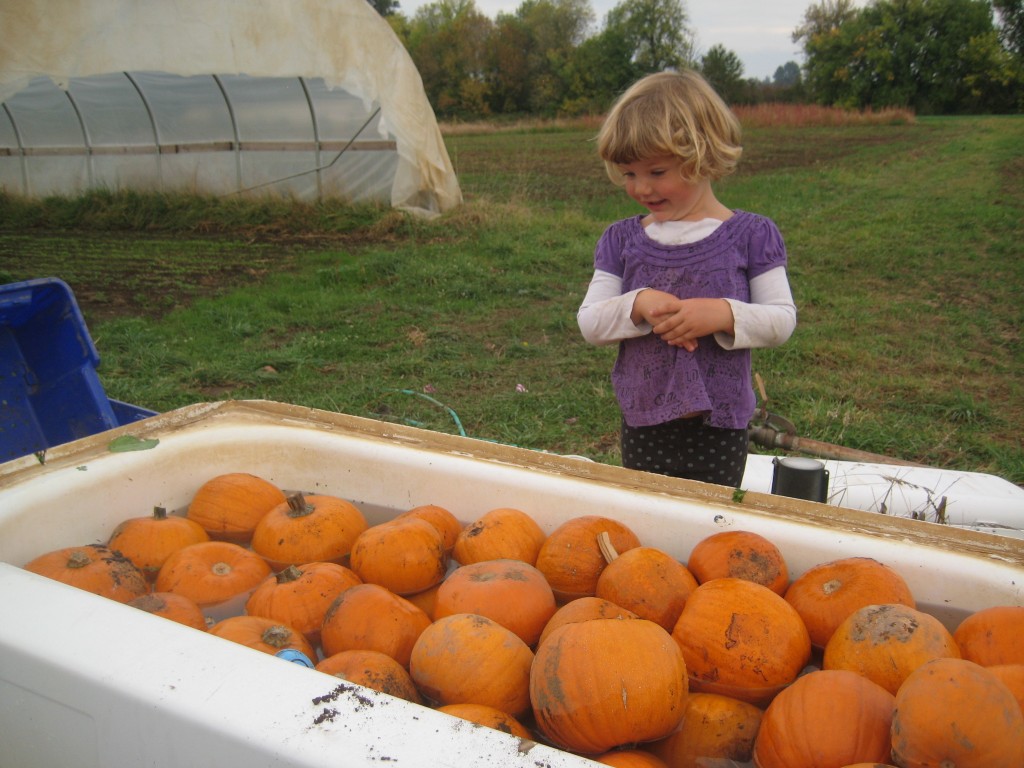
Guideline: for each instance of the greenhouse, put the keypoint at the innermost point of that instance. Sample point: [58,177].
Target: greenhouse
[307,100]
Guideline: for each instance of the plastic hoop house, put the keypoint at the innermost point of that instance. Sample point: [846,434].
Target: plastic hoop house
[309,100]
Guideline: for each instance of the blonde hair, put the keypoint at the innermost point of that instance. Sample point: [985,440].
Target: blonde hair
[672,113]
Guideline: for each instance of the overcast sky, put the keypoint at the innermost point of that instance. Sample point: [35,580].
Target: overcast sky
[758,31]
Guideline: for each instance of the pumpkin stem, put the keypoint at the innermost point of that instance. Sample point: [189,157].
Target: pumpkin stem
[159,513]
[297,506]
[78,559]
[277,636]
[291,573]
[604,543]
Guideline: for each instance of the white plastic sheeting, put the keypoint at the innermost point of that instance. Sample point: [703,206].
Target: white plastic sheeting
[305,98]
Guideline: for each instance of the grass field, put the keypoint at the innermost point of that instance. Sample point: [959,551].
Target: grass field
[905,259]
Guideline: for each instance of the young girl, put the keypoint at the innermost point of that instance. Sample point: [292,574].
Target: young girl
[687,289]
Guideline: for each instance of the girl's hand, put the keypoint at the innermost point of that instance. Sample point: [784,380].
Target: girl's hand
[680,322]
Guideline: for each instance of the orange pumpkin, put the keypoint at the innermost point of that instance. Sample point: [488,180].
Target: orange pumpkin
[630,758]
[600,684]
[955,712]
[229,506]
[647,581]
[489,717]
[885,643]
[306,529]
[825,719]
[372,669]
[713,726]
[262,634]
[426,600]
[405,556]
[992,636]
[471,659]
[584,609]
[511,592]
[171,606]
[1012,676]
[442,519]
[147,541]
[741,639]
[829,592]
[94,568]
[499,534]
[372,618]
[299,596]
[212,572]
[570,557]
[740,554]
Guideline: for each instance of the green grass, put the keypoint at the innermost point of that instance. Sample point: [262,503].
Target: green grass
[905,260]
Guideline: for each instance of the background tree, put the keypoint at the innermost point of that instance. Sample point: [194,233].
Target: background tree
[787,76]
[448,40]
[657,31]
[935,56]
[724,70]
[1011,25]
[822,34]
[552,31]
[600,69]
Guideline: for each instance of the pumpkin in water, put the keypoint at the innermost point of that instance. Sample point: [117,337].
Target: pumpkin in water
[647,581]
[149,541]
[825,719]
[372,669]
[742,555]
[406,556]
[441,518]
[585,609]
[300,596]
[885,643]
[713,726]
[1012,676]
[212,572]
[229,506]
[571,559]
[489,717]
[371,617]
[470,659]
[992,636]
[262,634]
[600,684]
[513,593]
[171,606]
[829,592]
[504,533]
[740,639]
[630,758]
[953,712]
[94,568]
[307,529]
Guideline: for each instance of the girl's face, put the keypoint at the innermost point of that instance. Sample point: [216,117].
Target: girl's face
[658,185]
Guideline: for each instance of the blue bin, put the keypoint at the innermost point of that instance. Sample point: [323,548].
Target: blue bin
[50,392]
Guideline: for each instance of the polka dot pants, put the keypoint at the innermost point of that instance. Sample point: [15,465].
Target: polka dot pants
[687,448]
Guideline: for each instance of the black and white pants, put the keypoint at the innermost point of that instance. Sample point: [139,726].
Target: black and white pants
[687,448]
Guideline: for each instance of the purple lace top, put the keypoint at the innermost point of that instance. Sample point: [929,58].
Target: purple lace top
[655,382]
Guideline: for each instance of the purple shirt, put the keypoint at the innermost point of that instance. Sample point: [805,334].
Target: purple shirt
[655,382]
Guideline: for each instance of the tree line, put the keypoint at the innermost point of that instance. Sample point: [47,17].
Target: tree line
[551,57]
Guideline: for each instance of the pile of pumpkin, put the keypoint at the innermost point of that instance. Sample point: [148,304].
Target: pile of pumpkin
[582,638]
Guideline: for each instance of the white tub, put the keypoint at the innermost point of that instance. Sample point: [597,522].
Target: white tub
[86,682]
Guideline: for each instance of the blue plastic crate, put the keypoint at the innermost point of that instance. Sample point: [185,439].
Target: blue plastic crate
[50,392]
